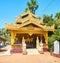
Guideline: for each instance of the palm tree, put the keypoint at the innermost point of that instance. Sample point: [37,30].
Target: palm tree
[32,6]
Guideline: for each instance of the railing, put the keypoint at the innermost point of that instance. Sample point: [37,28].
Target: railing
[17,46]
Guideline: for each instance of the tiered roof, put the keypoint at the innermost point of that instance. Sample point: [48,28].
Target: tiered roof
[28,19]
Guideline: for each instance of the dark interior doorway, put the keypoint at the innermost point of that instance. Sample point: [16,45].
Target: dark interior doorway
[31,44]
[43,39]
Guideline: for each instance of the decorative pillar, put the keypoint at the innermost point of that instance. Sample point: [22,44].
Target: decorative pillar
[23,41]
[46,39]
[41,47]
[13,34]
[41,44]
[24,46]
[37,43]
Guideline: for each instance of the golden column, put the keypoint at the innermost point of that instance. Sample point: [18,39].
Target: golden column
[46,39]
[13,34]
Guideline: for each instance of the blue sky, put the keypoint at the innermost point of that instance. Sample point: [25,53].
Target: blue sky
[9,9]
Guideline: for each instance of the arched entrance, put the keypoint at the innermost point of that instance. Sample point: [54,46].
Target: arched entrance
[29,40]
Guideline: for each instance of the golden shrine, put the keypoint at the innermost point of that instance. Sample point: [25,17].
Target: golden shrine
[29,28]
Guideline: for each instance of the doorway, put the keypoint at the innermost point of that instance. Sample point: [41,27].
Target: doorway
[30,43]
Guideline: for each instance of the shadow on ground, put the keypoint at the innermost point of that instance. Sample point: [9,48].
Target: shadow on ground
[3,50]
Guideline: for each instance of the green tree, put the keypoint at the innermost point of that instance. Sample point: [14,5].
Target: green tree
[0,32]
[48,19]
[57,16]
[5,34]
[51,40]
[57,23]
[32,6]
[53,37]
[57,34]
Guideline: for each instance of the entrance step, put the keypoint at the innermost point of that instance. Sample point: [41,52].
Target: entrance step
[32,52]
[16,51]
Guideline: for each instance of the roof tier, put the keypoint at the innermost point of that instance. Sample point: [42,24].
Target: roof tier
[29,19]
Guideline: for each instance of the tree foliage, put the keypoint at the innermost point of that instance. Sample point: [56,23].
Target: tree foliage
[57,16]
[48,19]
[56,33]
[32,6]
[5,34]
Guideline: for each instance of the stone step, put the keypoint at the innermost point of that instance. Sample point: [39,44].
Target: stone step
[32,52]
[16,51]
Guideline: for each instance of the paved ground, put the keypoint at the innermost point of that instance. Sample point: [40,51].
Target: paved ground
[19,58]
[29,58]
